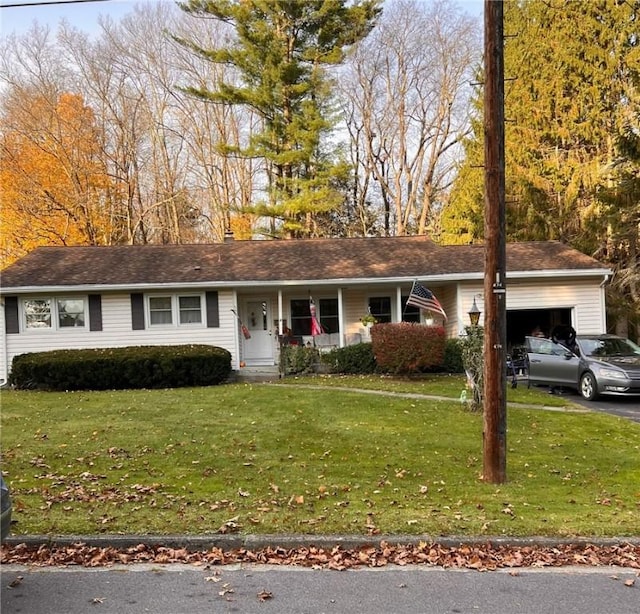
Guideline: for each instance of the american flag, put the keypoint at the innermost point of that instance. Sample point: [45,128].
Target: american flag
[424,299]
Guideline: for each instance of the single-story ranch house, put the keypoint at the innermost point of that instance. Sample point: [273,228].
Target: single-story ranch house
[95,297]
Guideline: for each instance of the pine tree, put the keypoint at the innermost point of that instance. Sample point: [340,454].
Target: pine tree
[280,52]
[567,63]
[570,65]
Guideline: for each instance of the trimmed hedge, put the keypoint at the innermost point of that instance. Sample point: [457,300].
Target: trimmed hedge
[122,368]
[355,359]
[407,347]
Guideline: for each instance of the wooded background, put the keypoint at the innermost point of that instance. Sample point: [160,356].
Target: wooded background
[324,118]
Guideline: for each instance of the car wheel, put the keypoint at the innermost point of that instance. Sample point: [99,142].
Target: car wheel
[588,386]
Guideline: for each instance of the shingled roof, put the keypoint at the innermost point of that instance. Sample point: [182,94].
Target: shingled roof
[243,262]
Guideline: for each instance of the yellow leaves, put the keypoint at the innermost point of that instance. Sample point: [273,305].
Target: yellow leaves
[52,177]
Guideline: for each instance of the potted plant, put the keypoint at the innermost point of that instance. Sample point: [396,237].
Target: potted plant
[368,320]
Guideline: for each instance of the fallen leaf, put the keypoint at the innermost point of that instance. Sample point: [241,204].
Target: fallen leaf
[264,595]
[630,582]
[16,582]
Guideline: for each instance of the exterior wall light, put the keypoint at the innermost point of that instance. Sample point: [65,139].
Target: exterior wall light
[474,313]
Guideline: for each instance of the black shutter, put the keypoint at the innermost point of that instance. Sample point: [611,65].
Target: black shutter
[137,311]
[213,311]
[11,319]
[95,312]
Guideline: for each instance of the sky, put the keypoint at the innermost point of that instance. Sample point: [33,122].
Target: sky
[84,15]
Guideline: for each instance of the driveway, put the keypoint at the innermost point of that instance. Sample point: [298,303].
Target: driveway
[623,407]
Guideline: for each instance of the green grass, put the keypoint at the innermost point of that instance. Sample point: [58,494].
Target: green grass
[275,459]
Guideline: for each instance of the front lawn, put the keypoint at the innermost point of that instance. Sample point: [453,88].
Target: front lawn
[290,459]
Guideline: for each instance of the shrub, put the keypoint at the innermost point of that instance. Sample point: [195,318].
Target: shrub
[122,368]
[295,359]
[407,347]
[452,361]
[355,359]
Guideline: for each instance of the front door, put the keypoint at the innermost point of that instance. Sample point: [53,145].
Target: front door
[258,349]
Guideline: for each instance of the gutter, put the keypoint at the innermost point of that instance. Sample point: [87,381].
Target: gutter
[340,281]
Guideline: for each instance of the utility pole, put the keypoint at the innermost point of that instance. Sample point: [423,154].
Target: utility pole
[495,331]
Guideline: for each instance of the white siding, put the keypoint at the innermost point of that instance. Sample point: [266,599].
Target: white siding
[585,299]
[116,332]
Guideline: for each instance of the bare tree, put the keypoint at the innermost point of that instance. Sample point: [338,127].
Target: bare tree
[165,148]
[405,98]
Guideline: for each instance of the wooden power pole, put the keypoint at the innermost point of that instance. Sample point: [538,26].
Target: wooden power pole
[495,332]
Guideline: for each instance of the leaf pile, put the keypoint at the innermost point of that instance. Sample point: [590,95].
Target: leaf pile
[486,557]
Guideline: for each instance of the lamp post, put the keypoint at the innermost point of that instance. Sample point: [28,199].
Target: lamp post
[474,313]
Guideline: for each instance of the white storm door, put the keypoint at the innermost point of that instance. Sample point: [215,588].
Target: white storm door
[258,349]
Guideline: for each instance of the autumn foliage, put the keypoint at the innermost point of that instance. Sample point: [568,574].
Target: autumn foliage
[407,347]
[53,182]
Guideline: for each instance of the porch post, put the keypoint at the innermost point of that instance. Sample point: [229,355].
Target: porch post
[341,319]
[236,336]
[398,304]
[280,324]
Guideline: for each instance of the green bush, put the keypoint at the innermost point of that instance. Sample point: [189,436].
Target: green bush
[407,347]
[355,359]
[297,359]
[452,361]
[122,368]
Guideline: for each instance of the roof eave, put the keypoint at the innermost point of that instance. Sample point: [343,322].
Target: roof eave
[195,285]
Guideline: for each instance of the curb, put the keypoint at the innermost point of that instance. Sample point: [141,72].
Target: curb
[289,542]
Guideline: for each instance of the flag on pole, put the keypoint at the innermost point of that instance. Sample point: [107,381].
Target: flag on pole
[424,299]
[316,327]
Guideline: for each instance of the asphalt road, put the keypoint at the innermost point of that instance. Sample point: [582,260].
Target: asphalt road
[180,589]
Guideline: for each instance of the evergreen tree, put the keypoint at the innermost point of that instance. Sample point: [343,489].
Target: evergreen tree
[620,207]
[568,65]
[280,52]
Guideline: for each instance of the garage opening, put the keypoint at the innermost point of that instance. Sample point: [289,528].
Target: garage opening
[523,322]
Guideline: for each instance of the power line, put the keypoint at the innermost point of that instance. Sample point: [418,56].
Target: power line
[46,3]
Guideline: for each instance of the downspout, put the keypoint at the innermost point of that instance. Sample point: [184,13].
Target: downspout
[603,305]
[4,376]
[399,304]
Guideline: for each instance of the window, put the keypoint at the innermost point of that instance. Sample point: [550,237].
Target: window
[410,313]
[175,310]
[37,312]
[70,312]
[54,313]
[328,312]
[380,308]
[160,311]
[190,310]
[300,317]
